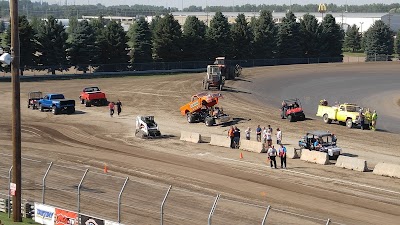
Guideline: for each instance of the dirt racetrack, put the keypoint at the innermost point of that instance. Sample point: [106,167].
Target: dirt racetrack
[89,138]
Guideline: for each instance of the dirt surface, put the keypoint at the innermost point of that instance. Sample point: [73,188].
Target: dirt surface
[197,172]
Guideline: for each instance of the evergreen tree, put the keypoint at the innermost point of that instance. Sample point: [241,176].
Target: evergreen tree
[52,45]
[98,26]
[331,38]
[167,40]
[27,43]
[82,50]
[397,44]
[2,26]
[352,40]
[310,31]
[289,44]
[378,41]
[219,37]
[140,37]
[154,23]
[36,23]
[265,36]
[194,32]
[72,25]
[242,38]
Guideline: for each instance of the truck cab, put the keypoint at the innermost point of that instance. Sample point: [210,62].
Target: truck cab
[57,104]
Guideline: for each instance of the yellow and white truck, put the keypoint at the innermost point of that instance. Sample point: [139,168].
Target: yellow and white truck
[346,114]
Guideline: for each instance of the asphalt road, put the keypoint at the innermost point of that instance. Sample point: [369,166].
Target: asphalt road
[375,86]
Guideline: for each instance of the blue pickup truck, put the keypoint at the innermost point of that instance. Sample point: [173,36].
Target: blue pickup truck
[57,104]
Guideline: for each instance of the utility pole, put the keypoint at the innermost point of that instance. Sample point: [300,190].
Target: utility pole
[16,111]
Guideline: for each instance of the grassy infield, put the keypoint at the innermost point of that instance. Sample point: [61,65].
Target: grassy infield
[6,221]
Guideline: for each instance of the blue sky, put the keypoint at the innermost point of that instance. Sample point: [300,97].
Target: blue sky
[186,3]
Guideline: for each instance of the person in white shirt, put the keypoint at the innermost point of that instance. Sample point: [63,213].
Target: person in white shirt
[248,131]
[278,136]
[264,134]
[269,137]
[272,156]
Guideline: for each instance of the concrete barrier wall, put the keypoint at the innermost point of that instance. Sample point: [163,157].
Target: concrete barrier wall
[190,137]
[219,140]
[315,157]
[293,153]
[387,169]
[251,146]
[352,163]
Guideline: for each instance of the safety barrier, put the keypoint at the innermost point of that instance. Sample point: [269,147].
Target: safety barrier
[190,137]
[387,169]
[293,153]
[219,140]
[351,163]
[315,157]
[251,146]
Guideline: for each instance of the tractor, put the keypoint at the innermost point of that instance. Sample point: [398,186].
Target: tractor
[213,78]
[229,72]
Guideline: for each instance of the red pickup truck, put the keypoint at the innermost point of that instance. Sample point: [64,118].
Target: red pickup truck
[93,96]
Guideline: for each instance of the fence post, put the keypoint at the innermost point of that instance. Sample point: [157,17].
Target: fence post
[119,199]
[79,191]
[162,204]
[9,182]
[328,221]
[44,181]
[265,216]
[213,209]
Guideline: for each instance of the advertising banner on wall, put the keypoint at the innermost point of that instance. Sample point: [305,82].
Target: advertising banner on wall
[44,214]
[107,222]
[65,217]
[88,220]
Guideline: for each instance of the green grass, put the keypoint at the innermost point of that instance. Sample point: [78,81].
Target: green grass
[6,221]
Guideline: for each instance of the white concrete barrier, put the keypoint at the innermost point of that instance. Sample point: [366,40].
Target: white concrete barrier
[190,137]
[352,163]
[219,140]
[387,169]
[251,146]
[293,153]
[315,157]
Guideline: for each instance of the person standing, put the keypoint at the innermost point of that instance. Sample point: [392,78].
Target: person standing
[119,107]
[362,119]
[269,137]
[264,134]
[270,129]
[368,118]
[230,135]
[248,131]
[236,137]
[374,118]
[272,156]
[278,136]
[111,106]
[282,155]
[258,132]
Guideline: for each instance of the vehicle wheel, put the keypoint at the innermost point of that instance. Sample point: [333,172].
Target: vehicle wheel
[302,117]
[54,110]
[41,108]
[209,121]
[335,157]
[87,103]
[326,119]
[189,117]
[349,123]
[82,100]
[34,107]
[207,87]
[291,118]
[71,110]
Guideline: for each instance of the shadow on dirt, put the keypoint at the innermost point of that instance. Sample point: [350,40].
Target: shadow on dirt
[244,80]
[234,90]
[234,121]
[78,112]
[349,155]
[83,188]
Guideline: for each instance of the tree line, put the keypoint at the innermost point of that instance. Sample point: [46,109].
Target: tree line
[38,9]
[101,44]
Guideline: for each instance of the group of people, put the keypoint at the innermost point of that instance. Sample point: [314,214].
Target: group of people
[234,135]
[263,135]
[112,105]
[369,117]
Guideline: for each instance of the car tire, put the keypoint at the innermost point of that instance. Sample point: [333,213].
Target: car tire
[82,100]
[87,103]
[189,117]
[209,121]
[41,108]
[326,119]
[291,118]
[54,110]
[349,123]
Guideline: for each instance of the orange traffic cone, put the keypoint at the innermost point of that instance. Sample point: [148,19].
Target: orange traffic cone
[241,156]
[105,168]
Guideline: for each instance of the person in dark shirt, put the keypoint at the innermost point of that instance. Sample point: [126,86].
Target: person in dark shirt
[119,107]
[236,137]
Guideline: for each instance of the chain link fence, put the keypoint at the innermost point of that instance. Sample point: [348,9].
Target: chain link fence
[133,200]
